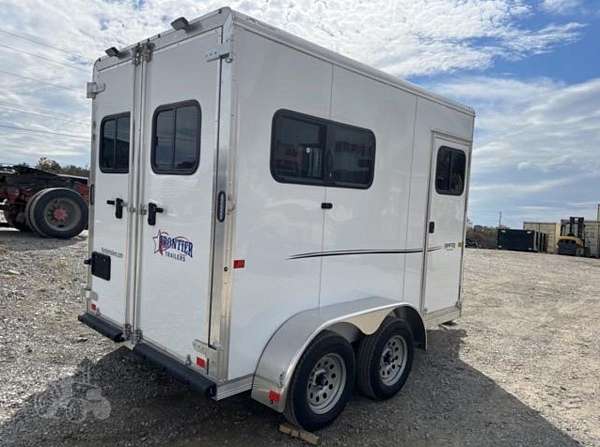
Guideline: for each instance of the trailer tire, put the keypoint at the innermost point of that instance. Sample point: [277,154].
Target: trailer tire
[58,212]
[322,383]
[384,359]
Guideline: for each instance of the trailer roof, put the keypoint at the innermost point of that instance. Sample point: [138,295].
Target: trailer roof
[218,18]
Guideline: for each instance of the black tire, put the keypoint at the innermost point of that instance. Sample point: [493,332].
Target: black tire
[68,205]
[298,410]
[29,213]
[380,382]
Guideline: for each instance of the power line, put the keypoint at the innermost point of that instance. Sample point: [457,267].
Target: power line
[35,109]
[31,112]
[48,59]
[28,129]
[32,39]
[43,82]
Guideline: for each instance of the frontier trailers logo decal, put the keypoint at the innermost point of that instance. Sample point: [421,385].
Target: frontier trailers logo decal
[177,247]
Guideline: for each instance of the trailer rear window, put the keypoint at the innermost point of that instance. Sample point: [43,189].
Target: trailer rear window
[450,171]
[309,150]
[176,138]
[114,144]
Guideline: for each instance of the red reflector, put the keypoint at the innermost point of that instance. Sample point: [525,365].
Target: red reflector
[239,263]
[201,362]
[93,306]
[274,396]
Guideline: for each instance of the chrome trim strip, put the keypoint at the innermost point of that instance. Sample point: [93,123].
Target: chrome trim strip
[321,254]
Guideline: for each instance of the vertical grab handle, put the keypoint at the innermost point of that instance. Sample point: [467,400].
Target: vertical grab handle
[221,203]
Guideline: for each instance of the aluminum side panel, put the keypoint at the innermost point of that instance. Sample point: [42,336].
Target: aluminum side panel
[272,220]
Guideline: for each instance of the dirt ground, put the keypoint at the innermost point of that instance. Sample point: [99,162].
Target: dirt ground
[521,367]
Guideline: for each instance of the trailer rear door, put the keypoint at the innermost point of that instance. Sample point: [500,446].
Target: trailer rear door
[178,174]
[111,179]
[445,227]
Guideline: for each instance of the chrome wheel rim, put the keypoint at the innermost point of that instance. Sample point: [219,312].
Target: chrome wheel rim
[326,383]
[393,360]
[62,214]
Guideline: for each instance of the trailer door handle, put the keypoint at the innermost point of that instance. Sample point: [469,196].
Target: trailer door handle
[326,205]
[153,208]
[432,227]
[221,203]
[118,203]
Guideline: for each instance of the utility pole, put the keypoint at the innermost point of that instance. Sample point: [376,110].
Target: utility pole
[500,217]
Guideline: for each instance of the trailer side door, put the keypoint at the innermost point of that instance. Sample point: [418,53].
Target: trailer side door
[445,224]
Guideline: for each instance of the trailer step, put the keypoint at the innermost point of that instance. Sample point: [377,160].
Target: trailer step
[181,372]
[105,328]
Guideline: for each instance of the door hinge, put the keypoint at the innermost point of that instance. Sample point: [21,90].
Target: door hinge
[127,331]
[137,336]
[143,52]
[223,51]
[93,88]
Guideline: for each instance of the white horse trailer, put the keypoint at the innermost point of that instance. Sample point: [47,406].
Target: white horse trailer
[268,215]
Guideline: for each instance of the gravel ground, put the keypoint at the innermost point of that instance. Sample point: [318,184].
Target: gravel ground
[522,367]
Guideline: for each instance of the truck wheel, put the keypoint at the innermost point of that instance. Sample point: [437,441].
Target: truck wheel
[58,212]
[384,359]
[322,383]
[29,213]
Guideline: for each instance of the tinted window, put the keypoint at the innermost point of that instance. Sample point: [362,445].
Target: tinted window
[114,144]
[309,150]
[450,171]
[176,148]
[297,150]
[353,156]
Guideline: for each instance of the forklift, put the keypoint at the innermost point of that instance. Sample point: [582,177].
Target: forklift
[572,237]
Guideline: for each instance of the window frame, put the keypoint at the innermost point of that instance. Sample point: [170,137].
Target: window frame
[451,150]
[174,106]
[329,141]
[114,117]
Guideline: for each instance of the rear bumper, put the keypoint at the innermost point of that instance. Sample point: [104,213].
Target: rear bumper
[104,327]
[177,369]
[181,372]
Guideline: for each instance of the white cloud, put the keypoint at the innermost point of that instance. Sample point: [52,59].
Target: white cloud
[560,6]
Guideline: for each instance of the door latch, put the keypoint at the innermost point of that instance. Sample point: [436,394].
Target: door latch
[431,227]
[119,204]
[153,208]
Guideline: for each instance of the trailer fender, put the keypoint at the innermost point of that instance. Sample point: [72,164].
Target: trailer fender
[283,351]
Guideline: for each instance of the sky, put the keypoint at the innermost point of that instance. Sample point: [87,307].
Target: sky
[530,69]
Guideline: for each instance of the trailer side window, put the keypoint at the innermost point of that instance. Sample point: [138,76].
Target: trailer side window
[450,171]
[353,158]
[176,138]
[114,144]
[297,150]
[309,150]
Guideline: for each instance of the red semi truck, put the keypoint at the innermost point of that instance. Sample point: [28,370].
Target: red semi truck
[51,205]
